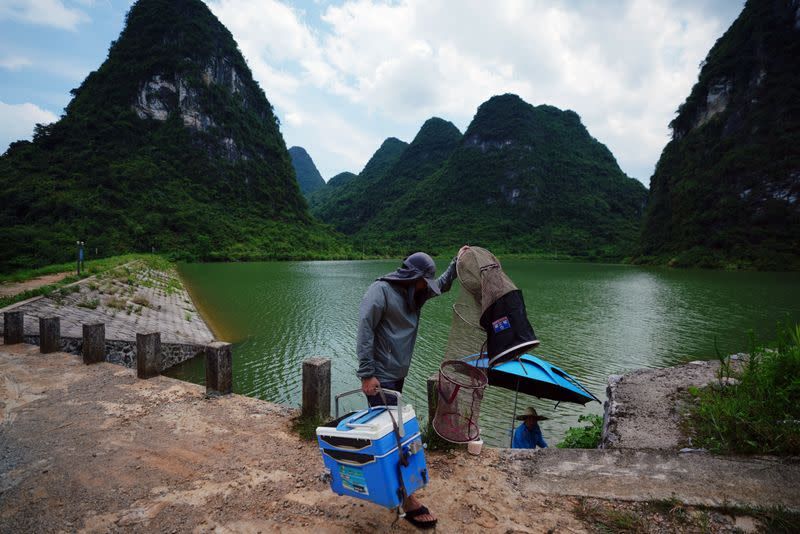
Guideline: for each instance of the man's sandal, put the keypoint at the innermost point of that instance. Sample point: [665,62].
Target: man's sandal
[412,515]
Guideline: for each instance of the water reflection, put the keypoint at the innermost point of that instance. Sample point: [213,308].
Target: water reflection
[593,320]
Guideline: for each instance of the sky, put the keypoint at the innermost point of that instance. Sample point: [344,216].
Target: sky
[345,75]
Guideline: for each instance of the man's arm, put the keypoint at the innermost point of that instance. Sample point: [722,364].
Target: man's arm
[369,315]
[540,440]
[451,273]
[446,280]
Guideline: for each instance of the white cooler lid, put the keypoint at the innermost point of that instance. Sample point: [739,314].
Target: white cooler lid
[376,428]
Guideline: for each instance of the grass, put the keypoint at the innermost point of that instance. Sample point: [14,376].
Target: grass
[91,304]
[306,427]
[584,437]
[141,301]
[90,268]
[187,316]
[432,440]
[116,303]
[759,414]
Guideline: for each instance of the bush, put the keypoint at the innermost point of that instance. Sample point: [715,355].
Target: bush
[761,412]
[584,437]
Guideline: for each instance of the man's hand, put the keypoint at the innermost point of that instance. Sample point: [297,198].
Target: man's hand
[370,385]
[461,251]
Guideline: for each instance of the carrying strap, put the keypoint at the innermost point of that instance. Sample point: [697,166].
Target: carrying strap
[403,458]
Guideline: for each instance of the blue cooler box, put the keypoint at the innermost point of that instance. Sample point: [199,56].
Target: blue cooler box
[361,453]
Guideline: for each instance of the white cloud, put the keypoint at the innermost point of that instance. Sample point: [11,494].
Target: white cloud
[17,121]
[623,65]
[14,62]
[43,12]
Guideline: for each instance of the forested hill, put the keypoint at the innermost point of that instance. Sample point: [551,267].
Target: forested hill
[521,179]
[170,144]
[353,205]
[335,205]
[725,191]
[308,177]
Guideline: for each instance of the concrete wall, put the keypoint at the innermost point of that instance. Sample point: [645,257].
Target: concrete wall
[124,352]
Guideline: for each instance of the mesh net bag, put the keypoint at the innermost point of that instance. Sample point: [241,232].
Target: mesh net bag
[461,388]
[481,275]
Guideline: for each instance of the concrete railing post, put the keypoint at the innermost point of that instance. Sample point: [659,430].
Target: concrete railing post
[433,395]
[317,388]
[148,355]
[94,343]
[49,334]
[13,327]
[219,368]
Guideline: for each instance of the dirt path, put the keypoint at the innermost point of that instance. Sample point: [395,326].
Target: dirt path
[93,449]
[15,288]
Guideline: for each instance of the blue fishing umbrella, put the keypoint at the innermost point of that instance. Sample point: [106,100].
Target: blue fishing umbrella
[533,376]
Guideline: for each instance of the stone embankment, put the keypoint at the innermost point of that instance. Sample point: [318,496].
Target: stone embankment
[130,299]
[644,408]
[90,448]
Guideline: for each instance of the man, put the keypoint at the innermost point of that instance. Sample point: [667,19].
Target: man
[528,435]
[387,330]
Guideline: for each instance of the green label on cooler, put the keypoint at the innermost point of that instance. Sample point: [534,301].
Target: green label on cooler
[353,479]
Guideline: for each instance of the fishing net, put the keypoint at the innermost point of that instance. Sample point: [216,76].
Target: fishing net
[461,387]
[489,315]
[480,274]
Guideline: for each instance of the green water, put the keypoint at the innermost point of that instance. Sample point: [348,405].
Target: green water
[593,321]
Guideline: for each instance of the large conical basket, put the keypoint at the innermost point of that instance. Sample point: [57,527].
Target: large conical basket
[461,388]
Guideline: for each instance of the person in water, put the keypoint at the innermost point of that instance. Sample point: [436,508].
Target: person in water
[528,435]
[387,330]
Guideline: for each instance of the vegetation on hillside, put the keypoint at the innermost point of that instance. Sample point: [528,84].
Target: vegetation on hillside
[339,206]
[323,194]
[523,179]
[726,191]
[308,177]
[755,410]
[120,183]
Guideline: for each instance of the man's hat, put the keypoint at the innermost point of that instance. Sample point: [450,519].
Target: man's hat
[531,412]
[422,265]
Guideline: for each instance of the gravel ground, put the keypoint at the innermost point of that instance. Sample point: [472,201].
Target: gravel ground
[93,449]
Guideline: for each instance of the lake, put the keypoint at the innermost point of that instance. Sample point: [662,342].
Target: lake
[593,320]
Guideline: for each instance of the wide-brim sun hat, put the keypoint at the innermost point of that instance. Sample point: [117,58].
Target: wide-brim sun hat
[531,412]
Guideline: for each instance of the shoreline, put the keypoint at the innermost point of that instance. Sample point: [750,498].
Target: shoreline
[103,451]
[214,328]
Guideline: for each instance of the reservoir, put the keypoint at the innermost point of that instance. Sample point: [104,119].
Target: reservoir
[593,320]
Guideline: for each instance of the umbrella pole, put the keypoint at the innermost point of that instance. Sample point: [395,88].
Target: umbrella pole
[514,416]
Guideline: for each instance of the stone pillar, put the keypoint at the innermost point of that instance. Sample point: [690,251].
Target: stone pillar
[94,343]
[219,368]
[317,388]
[49,334]
[13,327]
[148,355]
[433,395]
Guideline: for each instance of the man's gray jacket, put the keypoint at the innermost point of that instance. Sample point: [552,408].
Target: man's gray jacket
[387,327]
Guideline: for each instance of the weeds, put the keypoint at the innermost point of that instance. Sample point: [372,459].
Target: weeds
[759,414]
[306,427]
[91,304]
[141,301]
[432,440]
[584,437]
[116,303]
[188,316]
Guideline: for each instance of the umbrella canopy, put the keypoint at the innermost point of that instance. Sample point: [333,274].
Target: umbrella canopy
[533,376]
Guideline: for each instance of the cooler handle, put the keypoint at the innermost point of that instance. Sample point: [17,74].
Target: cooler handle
[397,395]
